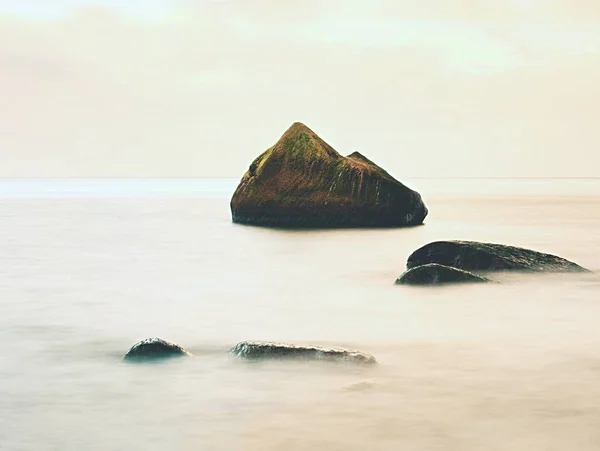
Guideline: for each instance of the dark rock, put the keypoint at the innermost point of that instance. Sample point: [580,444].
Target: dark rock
[475,256]
[267,350]
[155,349]
[303,182]
[434,274]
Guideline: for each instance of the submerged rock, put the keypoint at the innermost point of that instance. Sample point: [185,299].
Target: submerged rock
[303,182]
[434,274]
[154,349]
[476,256]
[267,350]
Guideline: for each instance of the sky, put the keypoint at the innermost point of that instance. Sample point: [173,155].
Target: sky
[199,88]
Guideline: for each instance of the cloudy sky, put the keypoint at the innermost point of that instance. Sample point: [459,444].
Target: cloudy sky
[200,87]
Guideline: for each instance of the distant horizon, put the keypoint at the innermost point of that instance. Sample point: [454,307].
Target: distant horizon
[235,178]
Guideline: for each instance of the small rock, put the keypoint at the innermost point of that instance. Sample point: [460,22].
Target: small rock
[267,350]
[155,349]
[434,274]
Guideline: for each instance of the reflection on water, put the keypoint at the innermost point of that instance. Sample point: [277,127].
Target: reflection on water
[509,366]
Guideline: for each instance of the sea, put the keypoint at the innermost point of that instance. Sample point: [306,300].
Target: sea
[88,267]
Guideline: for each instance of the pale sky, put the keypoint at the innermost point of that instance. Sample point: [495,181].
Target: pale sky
[199,88]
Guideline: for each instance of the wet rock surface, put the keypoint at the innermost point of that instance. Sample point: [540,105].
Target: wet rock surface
[268,350]
[434,274]
[302,182]
[476,256]
[154,349]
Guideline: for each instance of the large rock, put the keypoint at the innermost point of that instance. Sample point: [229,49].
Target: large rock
[475,256]
[267,350]
[303,182]
[434,274]
[155,349]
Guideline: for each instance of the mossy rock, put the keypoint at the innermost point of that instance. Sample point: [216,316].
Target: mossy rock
[303,182]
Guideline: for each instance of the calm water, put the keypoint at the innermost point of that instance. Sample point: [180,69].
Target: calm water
[89,267]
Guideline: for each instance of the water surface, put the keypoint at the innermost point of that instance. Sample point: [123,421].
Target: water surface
[89,267]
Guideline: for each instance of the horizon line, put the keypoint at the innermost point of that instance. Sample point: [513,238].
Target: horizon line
[235,178]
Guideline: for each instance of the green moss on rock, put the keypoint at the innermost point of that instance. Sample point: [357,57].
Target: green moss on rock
[303,182]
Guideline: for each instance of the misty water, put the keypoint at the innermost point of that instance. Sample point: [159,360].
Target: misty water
[89,267]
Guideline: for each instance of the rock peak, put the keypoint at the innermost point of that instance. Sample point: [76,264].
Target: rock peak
[356,154]
[359,156]
[297,128]
[299,140]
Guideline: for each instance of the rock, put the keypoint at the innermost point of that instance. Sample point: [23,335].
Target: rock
[303,182]
[475,256]
[267,350]
[155,349]
[434,274]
